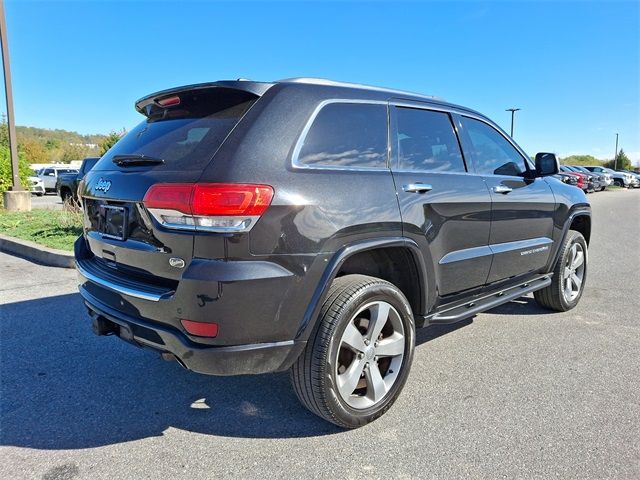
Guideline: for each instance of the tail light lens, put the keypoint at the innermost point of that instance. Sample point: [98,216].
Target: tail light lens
[214,207]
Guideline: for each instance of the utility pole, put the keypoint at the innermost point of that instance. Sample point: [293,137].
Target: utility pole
[513,111]
[615,155]
[16,198]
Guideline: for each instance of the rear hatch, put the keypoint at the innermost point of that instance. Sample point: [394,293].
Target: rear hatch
[182,131]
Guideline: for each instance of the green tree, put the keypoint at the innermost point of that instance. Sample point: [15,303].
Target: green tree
[33,151]
[110,140]
[582,160]
[24,170]
[73,152]
[623,162]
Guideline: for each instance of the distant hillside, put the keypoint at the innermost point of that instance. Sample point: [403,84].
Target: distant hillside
[42,145]
[63,136]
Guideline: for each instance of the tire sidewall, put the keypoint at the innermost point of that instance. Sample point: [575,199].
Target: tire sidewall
[572,237]
[371,293]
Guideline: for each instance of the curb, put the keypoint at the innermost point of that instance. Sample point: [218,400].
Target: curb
[36,253]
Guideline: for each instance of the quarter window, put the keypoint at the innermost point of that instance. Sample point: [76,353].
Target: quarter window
[427,141]
[347,135]
[493,154]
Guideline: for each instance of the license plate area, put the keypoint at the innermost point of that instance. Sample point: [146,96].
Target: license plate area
[113,222]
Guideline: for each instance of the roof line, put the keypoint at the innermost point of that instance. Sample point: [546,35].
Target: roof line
[333,83]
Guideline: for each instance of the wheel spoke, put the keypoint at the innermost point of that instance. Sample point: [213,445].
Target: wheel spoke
[379,316]
[391,347]
[578,260]
[376,388]
[348,381]
[353,338]
[577,281]
[567,273]
[567,288]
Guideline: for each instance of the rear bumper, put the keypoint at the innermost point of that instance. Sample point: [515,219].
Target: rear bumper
[228,360]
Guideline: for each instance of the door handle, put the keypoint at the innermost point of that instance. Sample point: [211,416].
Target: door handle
[417,188]
[502,189]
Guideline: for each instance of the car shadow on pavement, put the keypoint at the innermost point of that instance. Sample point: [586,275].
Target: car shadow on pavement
[62,387]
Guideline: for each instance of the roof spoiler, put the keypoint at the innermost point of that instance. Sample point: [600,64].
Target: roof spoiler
[256,88]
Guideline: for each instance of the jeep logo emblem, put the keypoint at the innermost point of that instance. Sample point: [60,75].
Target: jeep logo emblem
[103,185]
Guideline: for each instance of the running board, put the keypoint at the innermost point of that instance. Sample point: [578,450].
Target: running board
[487,302]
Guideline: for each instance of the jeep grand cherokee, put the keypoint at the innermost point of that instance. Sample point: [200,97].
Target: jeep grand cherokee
[312,226]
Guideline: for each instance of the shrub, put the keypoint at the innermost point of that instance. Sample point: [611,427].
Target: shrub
[5,170]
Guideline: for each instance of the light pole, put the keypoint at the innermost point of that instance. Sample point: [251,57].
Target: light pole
[16,198]
[615,155]
[513,111]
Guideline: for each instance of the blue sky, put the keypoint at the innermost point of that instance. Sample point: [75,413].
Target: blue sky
[573,67]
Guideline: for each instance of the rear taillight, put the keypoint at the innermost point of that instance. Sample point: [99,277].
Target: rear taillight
[214,207]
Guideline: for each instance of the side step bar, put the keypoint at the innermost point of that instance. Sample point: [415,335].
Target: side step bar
[483,303]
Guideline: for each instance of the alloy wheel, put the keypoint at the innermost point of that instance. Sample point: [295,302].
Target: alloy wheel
[370,355]
[573,272]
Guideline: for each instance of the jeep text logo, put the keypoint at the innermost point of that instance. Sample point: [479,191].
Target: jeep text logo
[103,185]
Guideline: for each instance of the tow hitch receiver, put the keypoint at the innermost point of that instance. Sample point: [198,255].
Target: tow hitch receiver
[102,326]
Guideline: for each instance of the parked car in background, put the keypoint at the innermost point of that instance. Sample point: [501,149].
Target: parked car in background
[67,183]
[49,176]
[36,185]
[585,182]
[593,184]
[600,181]
[567,178]
[620,179]
[635,178]
[312,226]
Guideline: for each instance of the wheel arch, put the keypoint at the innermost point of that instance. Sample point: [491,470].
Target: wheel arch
[395,259]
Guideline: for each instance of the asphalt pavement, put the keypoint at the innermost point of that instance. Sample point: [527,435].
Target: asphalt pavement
[47,201]
[517,392]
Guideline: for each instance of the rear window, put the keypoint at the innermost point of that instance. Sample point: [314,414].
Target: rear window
[347,135]
[186,135]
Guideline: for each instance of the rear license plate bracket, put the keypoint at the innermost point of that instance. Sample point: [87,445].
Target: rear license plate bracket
[114,222]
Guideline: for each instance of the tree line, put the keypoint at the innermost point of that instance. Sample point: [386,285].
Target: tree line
[623,161]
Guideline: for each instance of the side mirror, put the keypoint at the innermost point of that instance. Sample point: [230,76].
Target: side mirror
[546,164]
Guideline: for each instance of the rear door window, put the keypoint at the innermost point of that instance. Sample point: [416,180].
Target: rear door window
[492,153]
[346,135]
[185,135]
[426,141]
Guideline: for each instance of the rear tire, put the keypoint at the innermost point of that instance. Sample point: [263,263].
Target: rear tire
[569,275]
[359,354]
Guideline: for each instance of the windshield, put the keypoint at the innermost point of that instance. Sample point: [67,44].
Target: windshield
[186,135]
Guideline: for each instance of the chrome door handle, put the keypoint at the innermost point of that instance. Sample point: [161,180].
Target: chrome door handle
[502,189]
[416,188]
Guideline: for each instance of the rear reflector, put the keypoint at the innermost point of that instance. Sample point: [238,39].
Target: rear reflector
[200,329]
[221,207]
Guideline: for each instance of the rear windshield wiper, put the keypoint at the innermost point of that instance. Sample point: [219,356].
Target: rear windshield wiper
[135,159]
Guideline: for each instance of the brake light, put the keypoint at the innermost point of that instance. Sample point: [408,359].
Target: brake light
[169,101]
[218,207]
[200,329]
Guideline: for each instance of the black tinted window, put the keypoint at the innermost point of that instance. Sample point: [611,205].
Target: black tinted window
[185,135]
[493,154]
[347,135]
[427,142]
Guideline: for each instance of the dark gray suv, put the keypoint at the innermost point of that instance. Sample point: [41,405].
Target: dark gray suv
[310,225]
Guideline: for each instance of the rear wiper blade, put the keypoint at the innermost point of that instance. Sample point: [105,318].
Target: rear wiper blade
[135,159]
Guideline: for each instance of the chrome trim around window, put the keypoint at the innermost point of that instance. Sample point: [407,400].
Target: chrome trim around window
[114,287]
[300,142]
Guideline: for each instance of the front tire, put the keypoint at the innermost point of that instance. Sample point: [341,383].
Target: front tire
[359,354]
[569,275]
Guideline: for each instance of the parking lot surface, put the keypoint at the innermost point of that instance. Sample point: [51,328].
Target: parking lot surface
[49,201]
[517,392]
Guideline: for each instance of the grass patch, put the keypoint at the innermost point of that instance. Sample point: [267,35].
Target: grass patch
[51,228]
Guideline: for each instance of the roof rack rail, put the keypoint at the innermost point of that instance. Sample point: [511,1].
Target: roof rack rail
[333,83]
